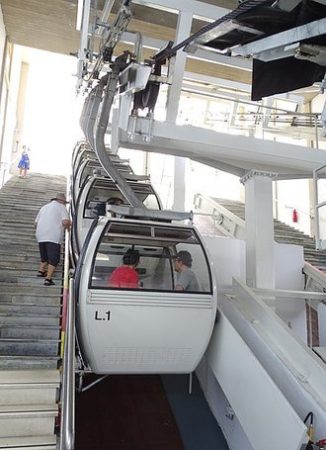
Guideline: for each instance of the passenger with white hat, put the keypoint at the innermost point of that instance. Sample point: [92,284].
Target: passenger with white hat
[50,223]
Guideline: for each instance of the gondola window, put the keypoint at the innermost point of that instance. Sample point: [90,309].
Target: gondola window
[157,247]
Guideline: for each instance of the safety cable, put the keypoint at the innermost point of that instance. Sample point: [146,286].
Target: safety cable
[232,15]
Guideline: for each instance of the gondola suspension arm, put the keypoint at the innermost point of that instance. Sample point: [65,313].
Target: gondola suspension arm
[95,100]
[101,152]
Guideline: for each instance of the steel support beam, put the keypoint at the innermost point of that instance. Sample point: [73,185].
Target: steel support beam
[198,9]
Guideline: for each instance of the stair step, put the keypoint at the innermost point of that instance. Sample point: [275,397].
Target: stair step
[31,284]
[29,308]
[30,300]
[27,420]
[22,387]
[29,376]
[28,362]
[28,275]
[28,332]
[28,320]
[43,442]
[35,409]
[26,347]
[28,394]
[21,288]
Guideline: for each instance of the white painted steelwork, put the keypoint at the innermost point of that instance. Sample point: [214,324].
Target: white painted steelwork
[292,365]
[278,45]
[234,154]
[265,415]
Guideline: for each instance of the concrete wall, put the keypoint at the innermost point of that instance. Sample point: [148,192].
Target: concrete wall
[2,86]
[9,154]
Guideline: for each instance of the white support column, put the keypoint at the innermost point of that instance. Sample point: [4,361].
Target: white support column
[179,184]
[83,39]
[260,261]
[172,106]
[233,114]
[183,31]
[267,112]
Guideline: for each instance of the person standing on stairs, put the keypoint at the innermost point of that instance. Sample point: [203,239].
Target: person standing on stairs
[24,163]
[50,223]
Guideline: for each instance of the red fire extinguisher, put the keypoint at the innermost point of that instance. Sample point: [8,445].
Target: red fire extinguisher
[295,217]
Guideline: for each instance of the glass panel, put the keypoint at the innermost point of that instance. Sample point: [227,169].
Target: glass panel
[103,190]
[195,277]
[155,267]
[98,194]
[87,171]
[151,202]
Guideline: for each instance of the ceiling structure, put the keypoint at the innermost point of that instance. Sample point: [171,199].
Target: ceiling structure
[51,25]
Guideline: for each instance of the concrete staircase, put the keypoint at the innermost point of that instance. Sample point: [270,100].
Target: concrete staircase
[29,320]
[283,233]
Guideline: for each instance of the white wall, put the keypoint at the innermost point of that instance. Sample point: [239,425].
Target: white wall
[3,86]
[294,194]
[221,408]
[8,142]
[2,37]
[228,256]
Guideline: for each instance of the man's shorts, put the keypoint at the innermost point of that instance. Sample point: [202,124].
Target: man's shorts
[50,252]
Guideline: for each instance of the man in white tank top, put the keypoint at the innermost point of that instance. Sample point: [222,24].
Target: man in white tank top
[50,223]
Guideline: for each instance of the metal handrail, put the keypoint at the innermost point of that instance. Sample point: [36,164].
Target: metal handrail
[220,215]
[67,422]
[67,425]
[317,276]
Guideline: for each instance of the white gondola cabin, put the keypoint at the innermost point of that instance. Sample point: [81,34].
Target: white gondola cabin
[92,200]
[150,328]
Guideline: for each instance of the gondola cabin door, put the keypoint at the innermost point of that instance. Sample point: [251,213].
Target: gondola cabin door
[145,322]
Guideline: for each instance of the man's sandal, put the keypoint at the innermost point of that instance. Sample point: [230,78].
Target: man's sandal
[48,282]
[41,274]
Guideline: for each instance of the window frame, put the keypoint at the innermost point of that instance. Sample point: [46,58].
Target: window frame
[151,238]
